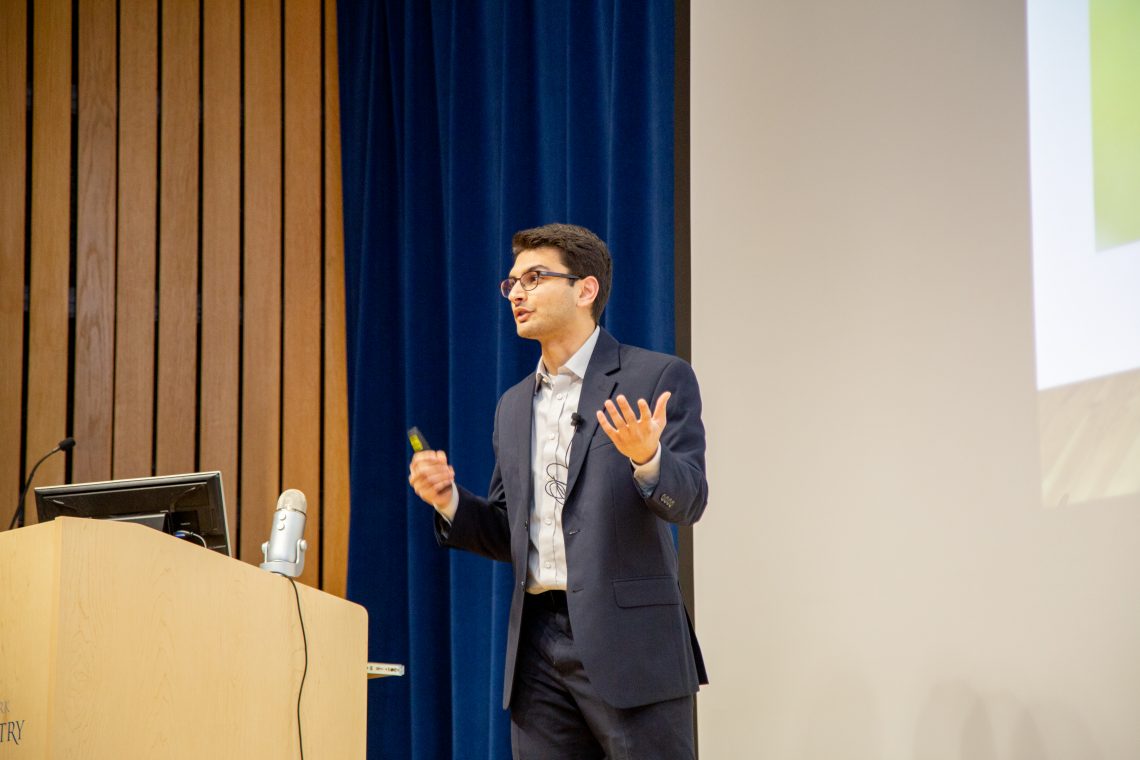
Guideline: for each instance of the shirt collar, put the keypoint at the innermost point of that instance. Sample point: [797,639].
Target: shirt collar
[576,365]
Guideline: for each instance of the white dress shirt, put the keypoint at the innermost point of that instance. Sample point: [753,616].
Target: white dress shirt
[555,403]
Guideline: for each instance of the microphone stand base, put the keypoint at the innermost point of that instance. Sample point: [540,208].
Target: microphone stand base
[288,569]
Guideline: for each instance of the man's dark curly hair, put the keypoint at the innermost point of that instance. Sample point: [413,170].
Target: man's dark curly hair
[583,253]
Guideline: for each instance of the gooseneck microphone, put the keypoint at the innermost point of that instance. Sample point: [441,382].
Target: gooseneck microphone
[67,444]
[284,552]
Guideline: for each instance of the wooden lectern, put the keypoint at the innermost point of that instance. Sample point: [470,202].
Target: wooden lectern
[119,642]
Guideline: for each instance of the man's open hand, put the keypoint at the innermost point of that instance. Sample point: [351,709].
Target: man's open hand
[636,436]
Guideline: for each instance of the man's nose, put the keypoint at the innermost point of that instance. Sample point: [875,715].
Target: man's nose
[518,294]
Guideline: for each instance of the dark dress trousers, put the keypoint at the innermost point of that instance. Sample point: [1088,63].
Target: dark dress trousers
[630,625]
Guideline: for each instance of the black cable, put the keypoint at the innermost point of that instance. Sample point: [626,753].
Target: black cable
[67,444]
[554,487]
[300,691]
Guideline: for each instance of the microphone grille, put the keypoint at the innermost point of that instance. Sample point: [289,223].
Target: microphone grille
[292,499]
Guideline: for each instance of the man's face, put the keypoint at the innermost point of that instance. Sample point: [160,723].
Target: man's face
[551,308]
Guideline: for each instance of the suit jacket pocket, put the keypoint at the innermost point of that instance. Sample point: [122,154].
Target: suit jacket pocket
[643,592]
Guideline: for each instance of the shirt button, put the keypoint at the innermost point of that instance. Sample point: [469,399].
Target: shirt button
[560,396]
[551,436]
[547,565]
[548,521]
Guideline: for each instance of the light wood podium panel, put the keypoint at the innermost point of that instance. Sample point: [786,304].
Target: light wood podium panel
[117,641]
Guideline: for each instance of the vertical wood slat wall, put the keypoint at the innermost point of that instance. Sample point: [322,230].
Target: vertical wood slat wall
[13,204]
[171,254]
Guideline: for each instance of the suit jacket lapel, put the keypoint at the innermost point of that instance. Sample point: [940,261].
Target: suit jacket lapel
[597,386]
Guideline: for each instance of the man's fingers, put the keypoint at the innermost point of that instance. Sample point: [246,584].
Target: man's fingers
[438,476]
[428,459]
[615,415]
[643,413]
[430,475]
[626,410]
[605,425]
[662,402]
[433,484]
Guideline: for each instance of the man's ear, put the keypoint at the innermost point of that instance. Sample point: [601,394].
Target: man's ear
[589,290]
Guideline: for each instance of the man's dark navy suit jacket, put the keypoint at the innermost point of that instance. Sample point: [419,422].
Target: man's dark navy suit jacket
[630,625]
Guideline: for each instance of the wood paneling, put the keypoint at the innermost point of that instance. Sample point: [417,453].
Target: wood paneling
[13,143]
[208,328]
[261,334]
[178,240]
[51,245]
[335,504]
[137,222]
[95,246]
[221,245]
[301,391]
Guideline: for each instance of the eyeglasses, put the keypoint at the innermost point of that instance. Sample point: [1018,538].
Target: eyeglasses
[529,280]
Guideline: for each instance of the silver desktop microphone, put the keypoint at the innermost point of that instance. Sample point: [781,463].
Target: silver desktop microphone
[284,552]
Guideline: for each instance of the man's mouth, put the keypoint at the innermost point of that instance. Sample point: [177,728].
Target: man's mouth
[521,315]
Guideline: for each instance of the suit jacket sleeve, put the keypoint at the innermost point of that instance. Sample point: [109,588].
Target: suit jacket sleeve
[480,525]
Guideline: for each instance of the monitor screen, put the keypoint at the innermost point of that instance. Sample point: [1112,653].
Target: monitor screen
[189,506]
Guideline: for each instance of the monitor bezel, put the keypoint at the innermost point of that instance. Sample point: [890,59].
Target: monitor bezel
[212,480]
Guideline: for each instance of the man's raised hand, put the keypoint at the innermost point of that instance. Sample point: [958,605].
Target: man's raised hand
[636,436]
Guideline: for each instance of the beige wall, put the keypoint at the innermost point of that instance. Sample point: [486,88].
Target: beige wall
[876,576]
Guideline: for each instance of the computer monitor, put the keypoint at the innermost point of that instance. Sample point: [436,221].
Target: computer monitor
[189,506]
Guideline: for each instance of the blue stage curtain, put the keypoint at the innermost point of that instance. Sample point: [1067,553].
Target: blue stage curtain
[463,122]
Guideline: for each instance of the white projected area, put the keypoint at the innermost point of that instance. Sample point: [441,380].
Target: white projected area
[1084,70]
[1087,302]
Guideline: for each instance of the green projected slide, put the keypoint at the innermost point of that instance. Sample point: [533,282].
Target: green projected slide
[1114,43]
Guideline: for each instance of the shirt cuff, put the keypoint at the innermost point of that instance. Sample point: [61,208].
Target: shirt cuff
[648,474]
[447,512]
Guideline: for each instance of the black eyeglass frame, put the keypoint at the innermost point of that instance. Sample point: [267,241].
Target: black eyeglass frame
[507,285]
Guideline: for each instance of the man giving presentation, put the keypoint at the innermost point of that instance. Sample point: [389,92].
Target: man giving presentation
[596,453]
